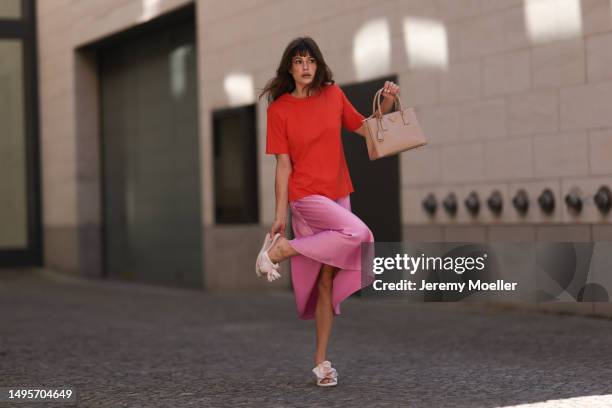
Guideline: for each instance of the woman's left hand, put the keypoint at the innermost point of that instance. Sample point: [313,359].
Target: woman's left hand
[390,90]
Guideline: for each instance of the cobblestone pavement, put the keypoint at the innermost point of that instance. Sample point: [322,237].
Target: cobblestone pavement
[132,345]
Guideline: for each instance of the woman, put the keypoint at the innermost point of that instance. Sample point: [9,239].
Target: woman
[304,117]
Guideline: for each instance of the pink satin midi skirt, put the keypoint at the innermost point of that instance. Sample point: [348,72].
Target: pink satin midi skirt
[326,232]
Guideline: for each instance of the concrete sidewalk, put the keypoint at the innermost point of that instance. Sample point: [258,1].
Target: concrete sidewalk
[131,345]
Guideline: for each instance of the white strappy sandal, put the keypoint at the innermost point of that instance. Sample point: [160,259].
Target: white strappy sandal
[263,265]
[325,370]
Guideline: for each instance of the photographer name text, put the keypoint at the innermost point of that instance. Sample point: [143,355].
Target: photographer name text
[408,285]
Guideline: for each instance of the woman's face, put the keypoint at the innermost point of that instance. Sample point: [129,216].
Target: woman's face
[303,69]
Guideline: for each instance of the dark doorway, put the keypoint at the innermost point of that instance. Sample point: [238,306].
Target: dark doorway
[376,199]
[150,145]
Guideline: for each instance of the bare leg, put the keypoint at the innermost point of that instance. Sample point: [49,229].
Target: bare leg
[324,314]
[281,250]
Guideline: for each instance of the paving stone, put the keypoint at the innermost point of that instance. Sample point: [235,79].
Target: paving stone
[132,345]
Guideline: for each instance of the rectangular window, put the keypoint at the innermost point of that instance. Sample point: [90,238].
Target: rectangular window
[235,167]
[13,177]
[20,226]
[10,9]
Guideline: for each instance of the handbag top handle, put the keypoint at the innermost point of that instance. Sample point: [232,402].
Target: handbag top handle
[376,103]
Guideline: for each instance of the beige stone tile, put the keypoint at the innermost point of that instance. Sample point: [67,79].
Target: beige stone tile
[509,159]
[596,16]
[481,36]
[514,28]
[59,203]
[98,8]
[89,202]
[57,22]
[422,8]
[534,112]
[586,107]
[50,6]
[412,210]
[51,109]
[453,41]
[600,151]
[514,233]
[560,154]
[465,234]
[398,58]
[560,233]
[418,88]
[483,120]
[60,88]
[450,10]
[602,232]
[341,64]
[507,73]
[56,148]
[385,10]
[464,162]
[114,20]
[461,82]
[599,57]
[228,33]
[339,31]
[88,162]
[558,64]
[440,124]
[53,43]
[54,67]
[326,10]
[61,248]
[420,166]
[422,234]
[216,10]
[489,6]
[59,171]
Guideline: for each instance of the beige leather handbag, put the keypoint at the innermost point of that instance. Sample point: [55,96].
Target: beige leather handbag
[393,132]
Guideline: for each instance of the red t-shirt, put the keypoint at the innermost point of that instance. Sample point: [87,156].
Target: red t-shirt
[308,129]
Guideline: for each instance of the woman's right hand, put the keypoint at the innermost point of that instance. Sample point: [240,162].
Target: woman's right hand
[278,226]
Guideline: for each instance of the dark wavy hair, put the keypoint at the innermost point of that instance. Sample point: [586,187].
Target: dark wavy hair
[283,82]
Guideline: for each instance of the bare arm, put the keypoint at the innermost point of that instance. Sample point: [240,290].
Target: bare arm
[283,171]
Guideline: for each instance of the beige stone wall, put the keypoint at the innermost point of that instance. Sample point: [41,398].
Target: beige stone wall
[515,109]
[521,102]
[513,104]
